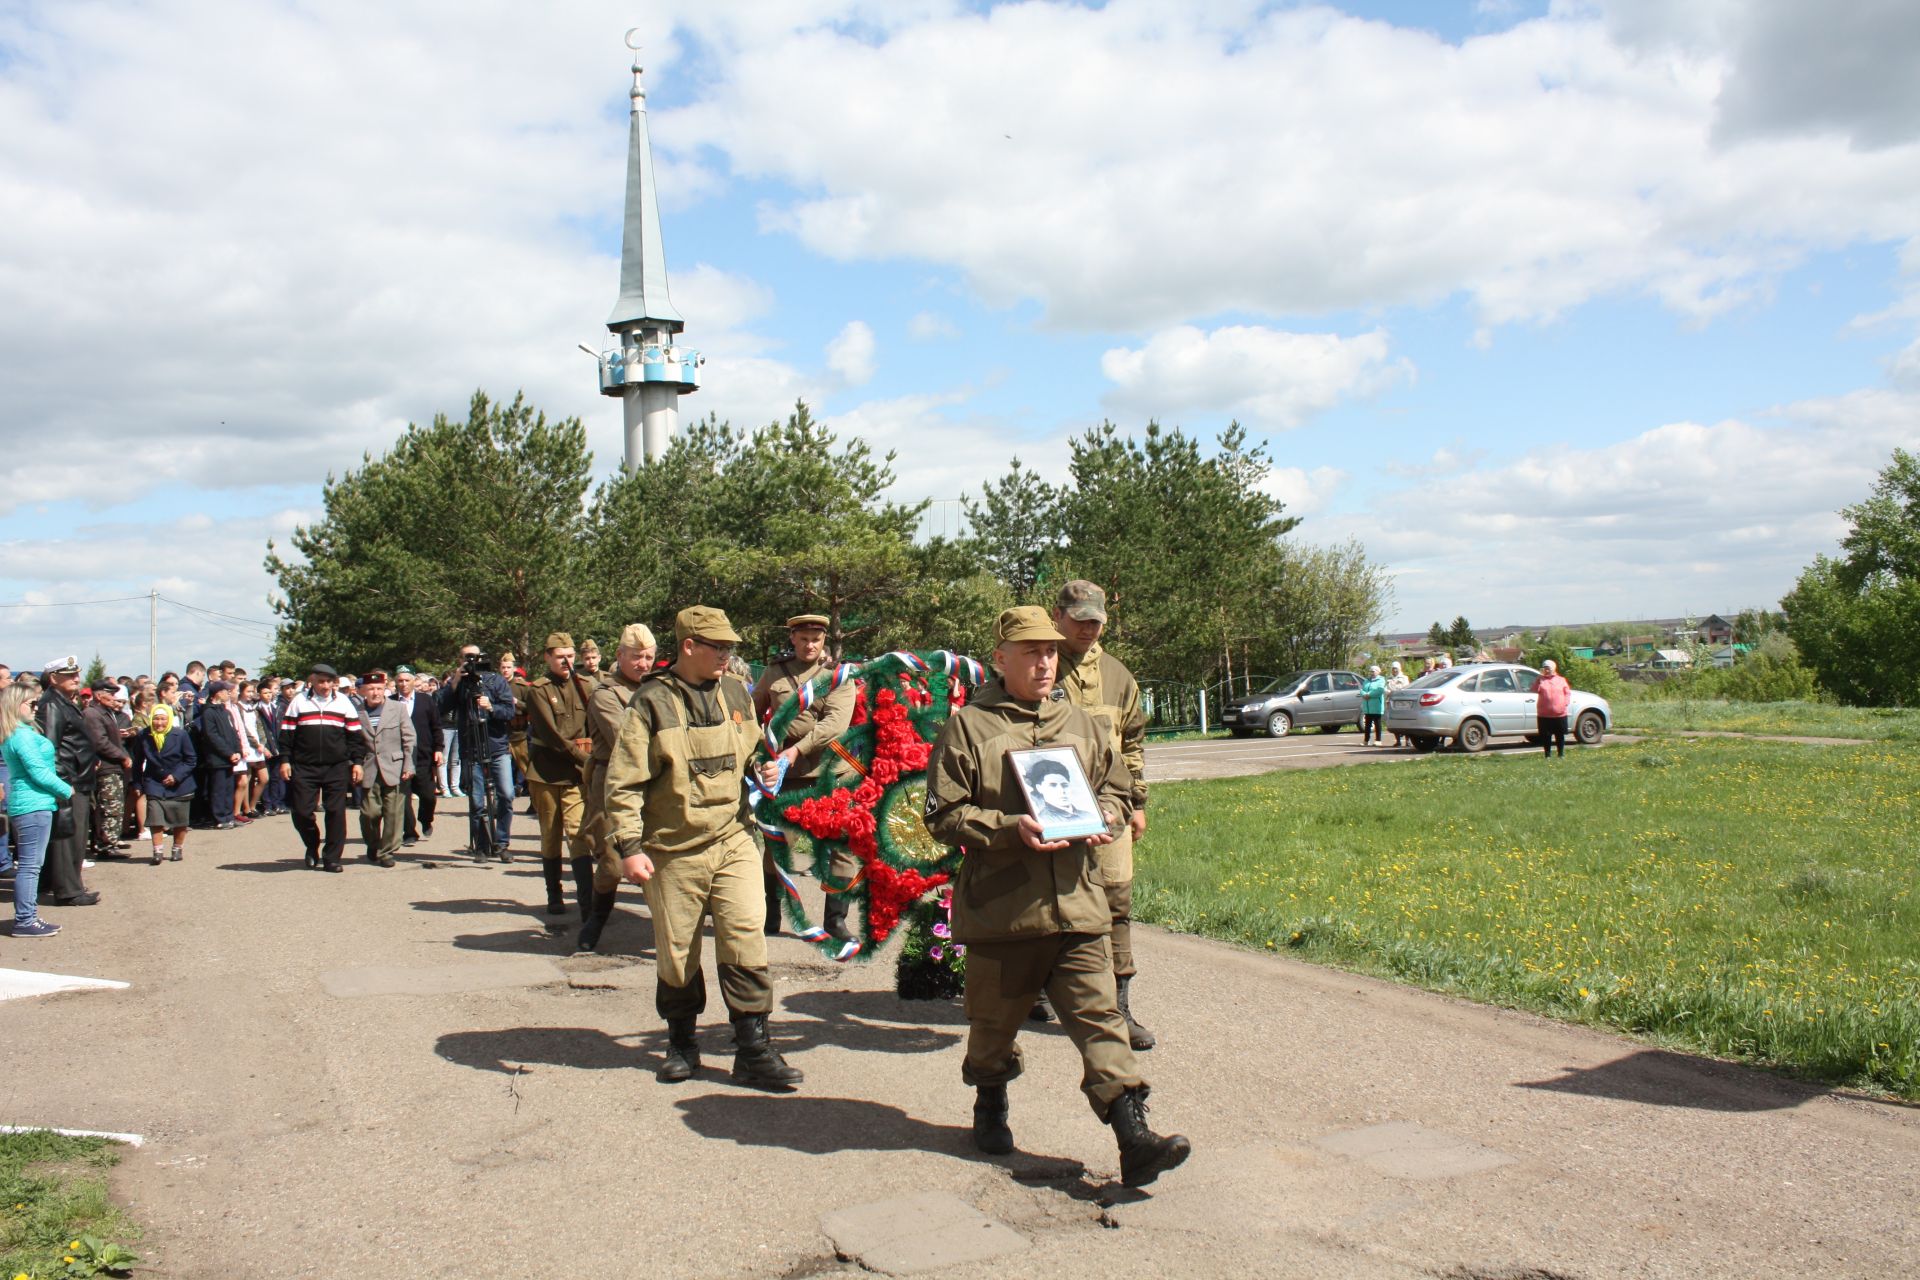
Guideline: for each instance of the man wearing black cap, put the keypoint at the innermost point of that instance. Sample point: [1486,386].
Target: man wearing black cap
[102,727]
[75,760]
[803,745]
[324,747]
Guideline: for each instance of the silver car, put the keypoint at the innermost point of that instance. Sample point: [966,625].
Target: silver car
[1476,701]
[1327,699]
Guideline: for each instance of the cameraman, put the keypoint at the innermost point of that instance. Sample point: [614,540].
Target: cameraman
[478,703]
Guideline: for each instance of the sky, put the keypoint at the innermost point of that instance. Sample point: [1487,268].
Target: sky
[1567,310]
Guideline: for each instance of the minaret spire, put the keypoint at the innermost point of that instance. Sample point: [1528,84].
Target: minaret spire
[649,370]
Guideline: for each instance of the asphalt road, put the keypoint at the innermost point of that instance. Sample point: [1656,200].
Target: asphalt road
[404,1073]
[1309,749]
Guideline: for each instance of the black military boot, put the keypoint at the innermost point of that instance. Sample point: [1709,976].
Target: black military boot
[834,918]
[1042,1010]
[1144,1154]
[597,918]
[1137,1036]
[775,893]
[991,1136]
[755,1061]
[583,885]
[556,896]
[683,1052]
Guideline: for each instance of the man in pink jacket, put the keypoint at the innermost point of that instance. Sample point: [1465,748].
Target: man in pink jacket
[1554,693]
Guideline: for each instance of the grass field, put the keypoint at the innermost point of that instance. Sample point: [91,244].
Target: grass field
[1806,719]
[1755,900]
[55,1216]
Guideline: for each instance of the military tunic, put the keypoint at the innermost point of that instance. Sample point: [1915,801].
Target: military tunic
[1100,683]
[1031,921]
[674,791]
[605,709]
[557,751]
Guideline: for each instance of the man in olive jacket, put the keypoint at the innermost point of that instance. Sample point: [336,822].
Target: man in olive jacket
[559,745]
[1033,913]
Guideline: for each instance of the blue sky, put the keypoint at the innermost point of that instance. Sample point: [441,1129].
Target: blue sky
[1589,309]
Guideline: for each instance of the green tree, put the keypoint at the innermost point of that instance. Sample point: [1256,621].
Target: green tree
[1015,526]
[1460,634]
[1437,636]
[1321,605]
[463,531]
[1854,617]
[96,670]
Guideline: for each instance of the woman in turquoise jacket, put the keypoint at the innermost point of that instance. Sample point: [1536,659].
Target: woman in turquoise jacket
[1373,705]
[34,792]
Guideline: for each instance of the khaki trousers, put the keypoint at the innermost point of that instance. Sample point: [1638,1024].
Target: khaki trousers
[382,810]
[606,862]
[1076,972]
[1116,869]
[723,880]
[562,815]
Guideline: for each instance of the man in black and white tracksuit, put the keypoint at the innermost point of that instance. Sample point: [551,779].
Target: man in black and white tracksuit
[322,746]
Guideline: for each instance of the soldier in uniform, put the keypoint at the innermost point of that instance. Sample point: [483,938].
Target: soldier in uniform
[589,664]
[803,745]
[678,810]
[1032,912]
[558,747]
[1101,684]
[517,685]
[632,661]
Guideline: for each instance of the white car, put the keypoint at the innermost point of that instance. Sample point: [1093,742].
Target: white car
[1475,701]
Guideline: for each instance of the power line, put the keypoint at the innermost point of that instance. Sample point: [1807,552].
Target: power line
[232,617]
[65,604]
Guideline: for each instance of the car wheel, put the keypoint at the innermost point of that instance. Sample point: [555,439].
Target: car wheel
[1588,730]
[1279,725]
[1424,741]
[1472,736]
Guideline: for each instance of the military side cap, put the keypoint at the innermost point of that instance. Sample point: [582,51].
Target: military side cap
[704,622]
[807,620]
[588,646]
[1024,622]
[1083,601]
[559,640]
[637,636]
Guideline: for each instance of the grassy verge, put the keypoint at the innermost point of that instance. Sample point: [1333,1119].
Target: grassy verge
[55,1216]
[1809,719]
[1754,900]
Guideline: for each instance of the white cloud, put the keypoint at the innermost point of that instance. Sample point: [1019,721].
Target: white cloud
[1292,160]
[928,325]
[1682,517]
[1262,376]
[1444,461]
[850,354]
[1905,367]
[1305,492]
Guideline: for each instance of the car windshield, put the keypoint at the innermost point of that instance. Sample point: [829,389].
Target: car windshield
[1434,679]
[1285,683]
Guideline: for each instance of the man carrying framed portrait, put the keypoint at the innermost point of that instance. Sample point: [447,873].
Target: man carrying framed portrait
[1028,900]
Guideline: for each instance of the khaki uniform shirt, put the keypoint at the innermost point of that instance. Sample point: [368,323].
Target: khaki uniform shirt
[674,779]
[1006,889]
[557,733]
[605,709]
[812,729]
[517,727]
[1101,684]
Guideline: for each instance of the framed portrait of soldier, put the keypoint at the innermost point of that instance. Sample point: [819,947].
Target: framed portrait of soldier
[1057,793]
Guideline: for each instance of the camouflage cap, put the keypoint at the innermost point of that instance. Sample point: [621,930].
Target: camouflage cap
[559,640]
[704,622]
[807,620]
[1083,601]
[1024,622]
[637,636]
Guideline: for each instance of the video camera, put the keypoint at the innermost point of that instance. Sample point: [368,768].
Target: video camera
[474,664]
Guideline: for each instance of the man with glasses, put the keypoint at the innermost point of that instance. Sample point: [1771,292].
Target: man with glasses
[76,761]
[677,808]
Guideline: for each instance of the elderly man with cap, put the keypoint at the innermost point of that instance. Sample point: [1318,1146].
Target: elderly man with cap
[803,746]
[1031,911]
[558,747]
[76,761]
[322,746]
[677,805]
[632,661]
[1100,684]
[391,750]
[421,708]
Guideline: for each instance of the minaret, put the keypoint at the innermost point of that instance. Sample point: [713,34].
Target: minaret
[649,370]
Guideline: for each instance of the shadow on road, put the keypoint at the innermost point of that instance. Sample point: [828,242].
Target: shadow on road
[586,1048]
[548,939]
[875,1006]
[477,906]
[1658,1078]
[296,863]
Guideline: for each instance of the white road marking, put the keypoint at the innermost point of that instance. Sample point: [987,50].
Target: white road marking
[18,983]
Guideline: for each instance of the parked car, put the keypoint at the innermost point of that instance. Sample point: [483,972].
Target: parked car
[1326,698]
[1476,701]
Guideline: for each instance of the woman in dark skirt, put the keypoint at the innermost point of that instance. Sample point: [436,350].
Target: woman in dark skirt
[166,776]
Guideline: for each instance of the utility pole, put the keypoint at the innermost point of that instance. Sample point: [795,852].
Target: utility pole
[153,633]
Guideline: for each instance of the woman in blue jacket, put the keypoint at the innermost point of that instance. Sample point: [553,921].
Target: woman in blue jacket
[167,761]
[1373,705]
[34,792]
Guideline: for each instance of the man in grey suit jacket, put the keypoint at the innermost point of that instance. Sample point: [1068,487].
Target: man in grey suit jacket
[391,753]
